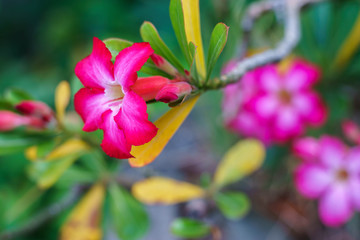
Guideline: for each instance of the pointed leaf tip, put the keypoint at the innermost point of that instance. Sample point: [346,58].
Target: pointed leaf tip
[62,99]
[167,124]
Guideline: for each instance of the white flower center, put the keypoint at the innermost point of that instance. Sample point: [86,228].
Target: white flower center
[114,92]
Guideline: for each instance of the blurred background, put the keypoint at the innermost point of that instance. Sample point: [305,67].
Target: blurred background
[41,41]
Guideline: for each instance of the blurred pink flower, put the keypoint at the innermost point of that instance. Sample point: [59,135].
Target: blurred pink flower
[114,98]
[330,172]
[274,106]
[351,130]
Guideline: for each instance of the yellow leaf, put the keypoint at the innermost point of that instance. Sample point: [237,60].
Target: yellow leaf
[349,47]
[84,221]
[284,65]
[31,153]
[193,31]
[242,159]
[62,98]
[168,124]
[69,147]
[165,191]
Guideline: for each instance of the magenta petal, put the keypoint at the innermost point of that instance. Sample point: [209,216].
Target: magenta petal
[332,151]
[133,120]
[310,107]
[268,78]
[335,206]
[311,180]
[287,124]
[114,143]
[353,161]
[306,148]
[90,104]
[301,75]
[96,70]
[129,61]
[265,105]
[354,184]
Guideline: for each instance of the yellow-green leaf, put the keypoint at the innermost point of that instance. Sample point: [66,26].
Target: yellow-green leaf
[62,99]
[193,32]
[84,221]
[165,191]
[71,146]
[349,47]
[31,153]
[168,124]
[242,159]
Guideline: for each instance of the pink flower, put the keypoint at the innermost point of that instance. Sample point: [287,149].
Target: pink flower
[274,106]
[329,172]
[114,98]
[351,131]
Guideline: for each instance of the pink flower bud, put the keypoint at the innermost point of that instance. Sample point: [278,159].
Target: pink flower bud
[351,131]
[36,109]
[10,120]
[164,65]
[149,87]
[173,91]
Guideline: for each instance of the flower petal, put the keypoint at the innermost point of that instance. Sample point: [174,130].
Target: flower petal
[90,104]
[287,124]
[301,75]
[129,61]
[354,184]
[353,161]
[265,105]
[96,70]
[311,180]
[310,107]
[173,91]
[306,148]
[114,143]
[335,206]
[269,79]
[332,151]
[133,120]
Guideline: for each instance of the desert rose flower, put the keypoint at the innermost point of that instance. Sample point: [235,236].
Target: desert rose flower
[274,105]
[114,98]
[330,172]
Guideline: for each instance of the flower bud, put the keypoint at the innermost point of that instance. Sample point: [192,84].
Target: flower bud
[10,120]
[351,131]
[36,109]
[173,91]
[164,65]
[149,87]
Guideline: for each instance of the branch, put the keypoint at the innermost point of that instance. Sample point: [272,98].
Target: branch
[284,48]
[44,216]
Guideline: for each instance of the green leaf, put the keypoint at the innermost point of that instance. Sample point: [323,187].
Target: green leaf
[149,34]
[193,70]
[233,205]
[189,228]
[46,173]
[11,143]
[177,20]
[128,215]
[15,96]
[217,43]
[115,45]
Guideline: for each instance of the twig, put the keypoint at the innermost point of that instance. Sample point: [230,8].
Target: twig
[284,48]
[44,216]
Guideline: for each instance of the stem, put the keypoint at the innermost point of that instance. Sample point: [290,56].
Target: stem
[284,48]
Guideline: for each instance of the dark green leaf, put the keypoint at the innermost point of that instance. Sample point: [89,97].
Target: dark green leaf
[233,205]
[115,45]
[177,20]
[15,96]
[189,228]
[149,34]
[128,215]
[217,43]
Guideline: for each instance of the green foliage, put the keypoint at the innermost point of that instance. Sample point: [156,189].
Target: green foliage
[233,205]
[189,228]
[128,215]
